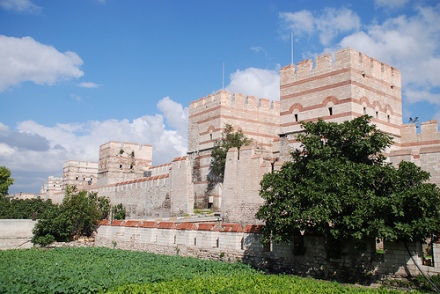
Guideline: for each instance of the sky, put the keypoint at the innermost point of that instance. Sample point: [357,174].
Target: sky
[77,74]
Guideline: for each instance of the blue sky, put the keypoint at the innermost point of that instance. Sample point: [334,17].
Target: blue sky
[76,74]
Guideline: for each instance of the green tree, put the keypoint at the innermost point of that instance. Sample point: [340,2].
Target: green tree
[119,212]
[78,215]
[338,185]
[230,139]
[5,180]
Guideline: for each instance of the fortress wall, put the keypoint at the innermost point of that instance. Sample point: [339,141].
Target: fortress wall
[232,242]
[181,191]
[257,119]
[243,173]
[349,86]
[122,161]
[80,173]
[422,148]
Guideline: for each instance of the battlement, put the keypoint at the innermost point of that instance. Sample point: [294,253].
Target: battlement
[236,100]
[344,58]
[129,145]
[428,132]
[80,164]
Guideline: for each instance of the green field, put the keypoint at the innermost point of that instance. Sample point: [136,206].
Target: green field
[103,270]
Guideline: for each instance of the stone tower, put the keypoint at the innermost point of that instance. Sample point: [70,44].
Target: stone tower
[337,89]
[119,162]
[257,118]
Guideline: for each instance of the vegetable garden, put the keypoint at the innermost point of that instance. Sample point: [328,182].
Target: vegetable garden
[103,270]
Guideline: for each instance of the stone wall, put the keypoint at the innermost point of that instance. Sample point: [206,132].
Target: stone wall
[306,255]
[16,233]
[243,173]
[421,148]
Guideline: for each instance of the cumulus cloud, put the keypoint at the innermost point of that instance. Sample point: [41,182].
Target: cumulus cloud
[19,6]
[410,44]
[329,23]
[34,149]
[261,83]
[390,3]
[24,59]
[88,85]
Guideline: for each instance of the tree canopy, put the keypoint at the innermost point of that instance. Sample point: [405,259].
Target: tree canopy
[230,138]
[78,215]
[5,180]
[339,185]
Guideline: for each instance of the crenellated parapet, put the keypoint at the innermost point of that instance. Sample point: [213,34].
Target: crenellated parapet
[344,58]
[429,133]
[236,100]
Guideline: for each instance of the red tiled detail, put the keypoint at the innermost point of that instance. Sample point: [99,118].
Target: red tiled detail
[104,222]
[117,223]
[231,228]
[131,223]
[149,224]
[255,229]
[187,226]
[206,227]
[180,158]
[166,225]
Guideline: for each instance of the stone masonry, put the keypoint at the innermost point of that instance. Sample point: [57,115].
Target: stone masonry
[338,88]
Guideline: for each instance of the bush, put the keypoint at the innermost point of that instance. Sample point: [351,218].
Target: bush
[78,215]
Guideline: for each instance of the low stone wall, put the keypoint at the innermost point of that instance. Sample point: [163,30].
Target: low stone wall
[16,233]
[306,255]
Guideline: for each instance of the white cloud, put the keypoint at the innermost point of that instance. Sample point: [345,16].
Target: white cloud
[175,114]
[19,6]
[24,59]
[88,85]
[75,97]
[261,83]
[409,43]
[329,23]
[390,3]
[419,94]
[37,149]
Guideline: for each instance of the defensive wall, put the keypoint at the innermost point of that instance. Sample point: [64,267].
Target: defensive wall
[122,161]
[306,255]
[16,233]
[334,88]
[256,118]
[421,148]
[79,173]
[338,88]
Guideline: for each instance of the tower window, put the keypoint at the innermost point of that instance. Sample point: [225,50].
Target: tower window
[330,110]
[388,118]
[296,117]
[377,114]
[365,110]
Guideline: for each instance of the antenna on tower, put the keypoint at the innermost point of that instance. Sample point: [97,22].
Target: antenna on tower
[223,76]
[291,47]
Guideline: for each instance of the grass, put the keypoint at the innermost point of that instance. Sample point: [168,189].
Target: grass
[104,270]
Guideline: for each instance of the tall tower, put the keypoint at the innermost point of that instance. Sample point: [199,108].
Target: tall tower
[348,86]
[119,162]
[256,118]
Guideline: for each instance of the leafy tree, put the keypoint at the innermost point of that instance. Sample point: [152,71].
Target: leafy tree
[78,215]
[119,211]
[103,204]
[230,139]
[339,185]
[23,208]
[5,180]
